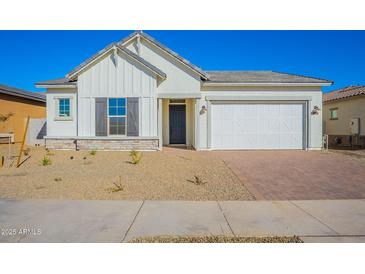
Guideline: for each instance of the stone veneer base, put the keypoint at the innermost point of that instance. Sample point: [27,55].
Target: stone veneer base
[102,144]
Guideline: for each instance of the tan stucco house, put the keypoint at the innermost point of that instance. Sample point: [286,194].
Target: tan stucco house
[344,116]
[15,106]
[139,94]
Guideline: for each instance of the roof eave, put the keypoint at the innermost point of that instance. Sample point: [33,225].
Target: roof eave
[40,85]
[212,83]
[29,97]
[343,98]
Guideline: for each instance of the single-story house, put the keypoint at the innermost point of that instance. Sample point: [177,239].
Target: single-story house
[139,94]
[15,106]
[344,117]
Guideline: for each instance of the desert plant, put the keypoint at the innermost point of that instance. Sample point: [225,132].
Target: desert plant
[49,153]
[197,181]
[136,156]
[117,186]
[46,161]
[58,179]
[92,152]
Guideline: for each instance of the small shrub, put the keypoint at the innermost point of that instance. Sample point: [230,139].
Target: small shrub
[58,179]
[72,157]
[46,161]
[26,151]
[84,158]
[117,186]
[49,153]
[93,152]
[136,156]
[197,181]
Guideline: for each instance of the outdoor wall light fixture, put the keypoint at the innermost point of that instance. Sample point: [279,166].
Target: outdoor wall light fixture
[203,110]
[315,110]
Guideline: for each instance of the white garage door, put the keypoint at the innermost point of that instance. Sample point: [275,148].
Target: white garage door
[257,126]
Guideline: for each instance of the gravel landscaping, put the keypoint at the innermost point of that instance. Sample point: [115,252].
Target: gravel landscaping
[171,174]
[217,239]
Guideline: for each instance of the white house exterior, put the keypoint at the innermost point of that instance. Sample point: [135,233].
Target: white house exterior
[138,94]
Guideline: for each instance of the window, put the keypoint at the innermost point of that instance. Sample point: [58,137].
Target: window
[63,109]
[333,114]
[117,115]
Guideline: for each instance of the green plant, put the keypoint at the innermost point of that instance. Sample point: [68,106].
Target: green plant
[136,156]
[197,181]
[93,152]
[49,153]
[117,186]
[46,161]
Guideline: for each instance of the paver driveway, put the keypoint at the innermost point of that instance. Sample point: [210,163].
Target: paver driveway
[298,175]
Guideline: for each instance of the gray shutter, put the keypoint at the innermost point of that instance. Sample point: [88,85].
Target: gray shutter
[101,116]
[133,117]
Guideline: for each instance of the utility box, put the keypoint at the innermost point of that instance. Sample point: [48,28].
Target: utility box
[355,126]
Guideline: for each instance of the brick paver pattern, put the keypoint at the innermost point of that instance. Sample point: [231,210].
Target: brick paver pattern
[298,175]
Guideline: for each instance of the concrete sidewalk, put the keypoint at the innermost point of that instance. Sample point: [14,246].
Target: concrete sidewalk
[121,221]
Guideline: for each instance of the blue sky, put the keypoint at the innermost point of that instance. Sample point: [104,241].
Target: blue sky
[31,56]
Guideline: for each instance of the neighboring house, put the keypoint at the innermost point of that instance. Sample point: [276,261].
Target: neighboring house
[139,94]
[344,116]
[15,106]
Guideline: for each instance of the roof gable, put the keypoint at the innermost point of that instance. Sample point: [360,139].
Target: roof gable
[114,46]
[173,54]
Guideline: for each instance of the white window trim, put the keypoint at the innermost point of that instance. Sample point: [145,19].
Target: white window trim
[57,109]
[125,116]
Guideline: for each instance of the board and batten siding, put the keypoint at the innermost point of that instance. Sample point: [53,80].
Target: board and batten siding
[117,77]
[180,79]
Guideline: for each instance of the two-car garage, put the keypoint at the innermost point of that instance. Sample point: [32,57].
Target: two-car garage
[258,125]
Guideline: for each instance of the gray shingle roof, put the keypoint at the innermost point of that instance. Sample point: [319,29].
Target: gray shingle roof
[22,93]
[59,81]
[208,76]
[163,47]
[259,77]
[126,51]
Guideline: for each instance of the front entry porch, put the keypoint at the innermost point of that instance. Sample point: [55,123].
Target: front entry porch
[177,117]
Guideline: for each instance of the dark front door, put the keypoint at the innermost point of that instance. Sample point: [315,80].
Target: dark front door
[177,124]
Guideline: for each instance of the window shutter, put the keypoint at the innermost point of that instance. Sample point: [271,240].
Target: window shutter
[101,117]
[133,117]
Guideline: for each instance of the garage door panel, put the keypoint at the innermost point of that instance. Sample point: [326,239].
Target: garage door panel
[257,126]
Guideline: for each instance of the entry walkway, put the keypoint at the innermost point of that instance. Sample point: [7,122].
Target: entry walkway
[121,221]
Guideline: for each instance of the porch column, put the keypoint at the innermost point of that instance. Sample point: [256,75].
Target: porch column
[197,124]
[159,122]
